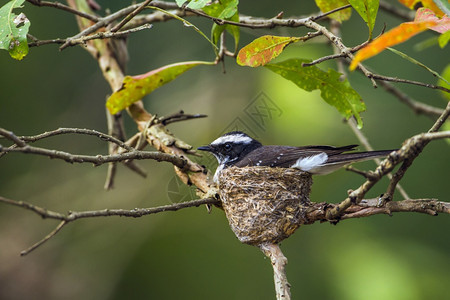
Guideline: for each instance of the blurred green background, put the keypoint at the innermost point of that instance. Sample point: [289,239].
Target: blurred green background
[191,254]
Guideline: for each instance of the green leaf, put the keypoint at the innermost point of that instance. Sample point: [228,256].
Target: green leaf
[14,30]
[263,50]
[135,88]
[368,10]
[444,81]
[327,5]
[225,10]
[193,4]
[334,91]
[443,39]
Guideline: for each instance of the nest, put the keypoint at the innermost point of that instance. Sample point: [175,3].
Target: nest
[263,204]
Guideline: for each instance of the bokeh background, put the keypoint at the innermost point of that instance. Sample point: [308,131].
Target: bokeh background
[191,254]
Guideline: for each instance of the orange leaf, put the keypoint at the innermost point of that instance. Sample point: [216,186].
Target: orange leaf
[426,14]
[425,3]
[394,36]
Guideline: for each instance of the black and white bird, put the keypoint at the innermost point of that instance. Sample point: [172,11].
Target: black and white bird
[240,150]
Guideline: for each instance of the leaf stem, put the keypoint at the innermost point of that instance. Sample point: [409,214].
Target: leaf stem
[189,24]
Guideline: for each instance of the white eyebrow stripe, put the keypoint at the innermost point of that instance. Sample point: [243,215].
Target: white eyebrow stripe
[238,139]
[310,162]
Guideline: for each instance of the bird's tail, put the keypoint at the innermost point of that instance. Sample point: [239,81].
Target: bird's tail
[335,162]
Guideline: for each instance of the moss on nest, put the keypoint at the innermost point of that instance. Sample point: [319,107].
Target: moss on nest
[263,204]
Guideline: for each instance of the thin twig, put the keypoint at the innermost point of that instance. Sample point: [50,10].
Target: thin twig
[83,39]
[61,131]
[417,107]
[130,16]
[365,142]
[46,238]
[325,14]
[441,120]
[400,80]
[64,8]
[424,140]
[102,22]
[178,117]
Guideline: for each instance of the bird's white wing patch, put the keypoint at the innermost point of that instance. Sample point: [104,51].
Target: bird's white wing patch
[235,138]
[311,162]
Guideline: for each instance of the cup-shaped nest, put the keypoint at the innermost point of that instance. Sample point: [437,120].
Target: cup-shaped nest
[264,204]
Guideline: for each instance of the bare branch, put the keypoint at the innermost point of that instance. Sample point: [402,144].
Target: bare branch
[317,212]
[102,22]
[400,80]
[60,131]
[178,117]
[21,146]
[370,207]
[72,216]
[441,120]
[408,152]
[46,238]
[97,160]
[84,39]
[363,139]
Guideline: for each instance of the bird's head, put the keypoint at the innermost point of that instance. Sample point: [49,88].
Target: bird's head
[231,147]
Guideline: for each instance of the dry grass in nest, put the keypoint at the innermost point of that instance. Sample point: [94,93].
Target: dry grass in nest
[263,204]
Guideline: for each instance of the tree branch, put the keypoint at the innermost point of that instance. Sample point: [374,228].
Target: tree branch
[21,146]
[63,7]
[408,152]
[279,261]
[317,212]
[417,107]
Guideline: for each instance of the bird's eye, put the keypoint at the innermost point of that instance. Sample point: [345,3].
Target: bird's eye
[227,146]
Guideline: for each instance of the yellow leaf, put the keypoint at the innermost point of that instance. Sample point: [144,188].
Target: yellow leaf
[327,5]
[394,36]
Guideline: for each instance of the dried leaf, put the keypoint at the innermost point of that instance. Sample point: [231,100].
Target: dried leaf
[426,14]
[263,50]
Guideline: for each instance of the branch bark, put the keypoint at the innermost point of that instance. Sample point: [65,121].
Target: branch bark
[317,212]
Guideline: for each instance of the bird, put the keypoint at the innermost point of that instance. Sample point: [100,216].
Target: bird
[238,149]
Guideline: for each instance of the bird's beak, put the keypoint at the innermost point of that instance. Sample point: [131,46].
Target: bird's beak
[205,148]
